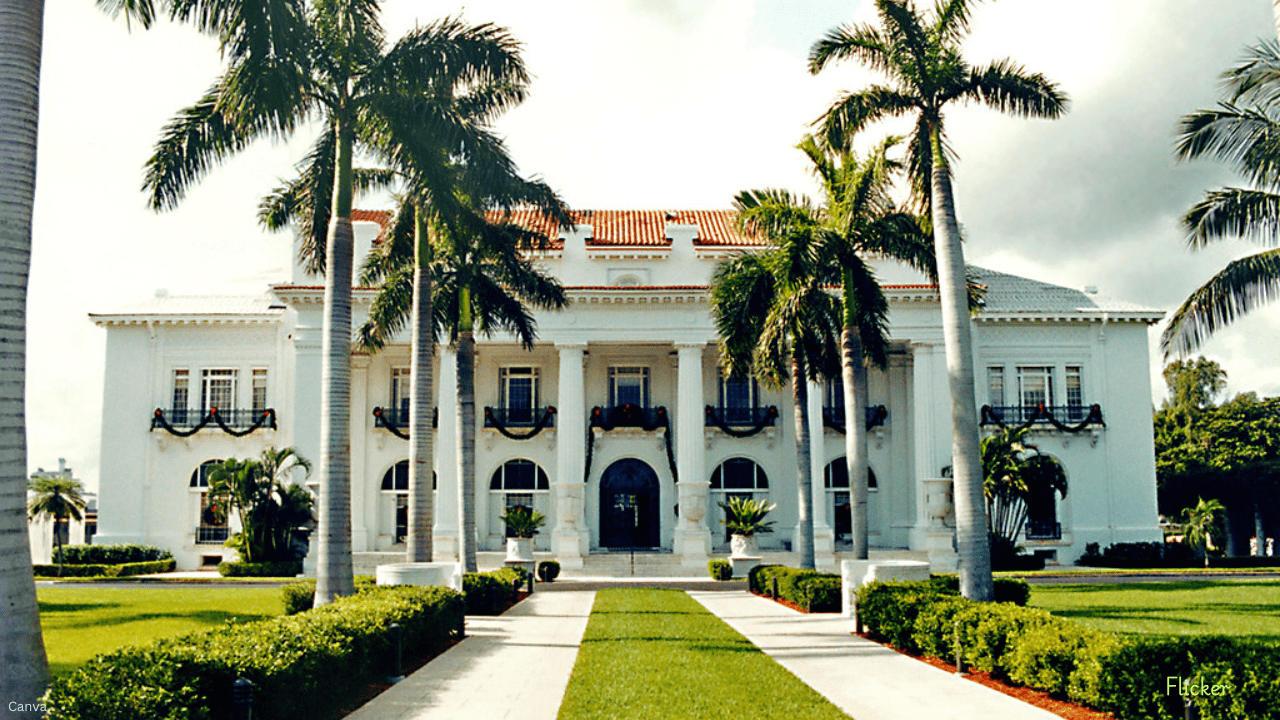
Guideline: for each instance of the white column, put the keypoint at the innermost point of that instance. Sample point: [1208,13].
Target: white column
[935,514]
[570,540]
[692,538]
[361,506]
[444,537]
[824,543]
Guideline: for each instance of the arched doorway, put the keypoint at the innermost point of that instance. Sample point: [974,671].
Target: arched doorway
[629,505]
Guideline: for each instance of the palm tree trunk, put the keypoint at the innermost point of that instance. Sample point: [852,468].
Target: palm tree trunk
[334,576]
[972,542]
[854,377]
[421,435]
[466,435]
[1259,528]
[26,669]
[804,488]
[57,541]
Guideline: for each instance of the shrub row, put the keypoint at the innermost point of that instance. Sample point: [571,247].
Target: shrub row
[279,568]
[720,569]
[1026,646]
[490,593]
[809,589]
[111,554]
[301,666]
[1007,590]
[106,571]
[301,596]
[1140,555]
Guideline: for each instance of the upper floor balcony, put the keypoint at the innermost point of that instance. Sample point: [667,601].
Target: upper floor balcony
[1070,418]
[185,422]
[833,417]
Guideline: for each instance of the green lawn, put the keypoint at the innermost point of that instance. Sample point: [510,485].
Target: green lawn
[80,622]
[659,654]
[1200,607]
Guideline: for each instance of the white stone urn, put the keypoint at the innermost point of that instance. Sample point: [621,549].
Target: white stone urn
[519,549]
[744,546]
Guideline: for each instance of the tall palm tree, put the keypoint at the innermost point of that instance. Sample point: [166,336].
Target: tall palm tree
[920,54]
[427,140]
[1243,131]
[1200,525]
[26,669]
[777,322]
[483,280]
[59,499]
[289,62]
[858,218]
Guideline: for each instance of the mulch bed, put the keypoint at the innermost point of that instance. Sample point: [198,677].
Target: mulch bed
[1039,699]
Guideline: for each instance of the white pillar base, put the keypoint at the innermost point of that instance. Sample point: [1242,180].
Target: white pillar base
[444,548]
[693,547]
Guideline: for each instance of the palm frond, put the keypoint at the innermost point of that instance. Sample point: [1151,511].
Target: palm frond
[306,202]
[1246,137]
[852,112]
[952,22]
[1256,80]
[1231,213]
[1009,88]
[390,310]
[850,42]
[1242,286]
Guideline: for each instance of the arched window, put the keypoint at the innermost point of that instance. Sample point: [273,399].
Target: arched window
[396,478]
[200,476]
[519,476]
[836,475]
[739,474]
[517,483]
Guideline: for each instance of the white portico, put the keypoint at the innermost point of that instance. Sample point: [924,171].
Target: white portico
[619,424]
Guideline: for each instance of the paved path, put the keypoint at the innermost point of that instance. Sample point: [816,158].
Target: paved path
[516,665]
[865,680]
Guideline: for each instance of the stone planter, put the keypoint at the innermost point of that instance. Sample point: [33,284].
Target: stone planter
[520,550]
[744,546]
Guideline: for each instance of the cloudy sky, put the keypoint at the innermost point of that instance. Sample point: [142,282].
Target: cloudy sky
[643,104]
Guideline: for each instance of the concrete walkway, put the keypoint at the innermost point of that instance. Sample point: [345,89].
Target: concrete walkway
[865,680]
[516,665]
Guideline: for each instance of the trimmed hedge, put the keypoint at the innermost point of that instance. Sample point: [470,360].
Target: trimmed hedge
[280,568]
[301,596]
[490,593]
[106,571]
[719,569]
[1141,555]
[809,589]
[302,666]
[112,554]
[548,570]
[1007,590]
[1025,646]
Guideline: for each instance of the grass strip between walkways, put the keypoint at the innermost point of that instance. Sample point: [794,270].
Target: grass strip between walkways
[650,653]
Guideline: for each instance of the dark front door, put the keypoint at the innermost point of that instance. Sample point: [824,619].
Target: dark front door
[629,505]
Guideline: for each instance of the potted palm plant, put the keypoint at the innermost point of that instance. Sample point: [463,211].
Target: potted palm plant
[523,524]
[745,518]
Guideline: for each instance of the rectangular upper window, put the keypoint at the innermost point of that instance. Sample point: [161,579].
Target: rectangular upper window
[400,393]
[518,389]
[995,386]
[181,390]
[739,397]
[629,385]
[1035,385]
[833,398]
[259,389]
[218,389]
[1074,386]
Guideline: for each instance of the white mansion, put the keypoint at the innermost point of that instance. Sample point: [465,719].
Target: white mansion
[618,425]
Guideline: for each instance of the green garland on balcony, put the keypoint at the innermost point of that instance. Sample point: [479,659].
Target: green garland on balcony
[266,418]
[501,427]
[770,415]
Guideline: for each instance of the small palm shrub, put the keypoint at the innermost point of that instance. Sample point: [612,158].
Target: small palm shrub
[747,517]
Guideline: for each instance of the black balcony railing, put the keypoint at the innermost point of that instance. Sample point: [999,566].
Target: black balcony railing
[833,417]
[1044,530]
[397,422]
[516,417]
[628,416]
[1068,418]
[740,422]
[211,534]
[185,422]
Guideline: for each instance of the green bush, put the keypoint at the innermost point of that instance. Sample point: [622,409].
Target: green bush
[1007,590]
[808,589]
[112,554]
[106,571]
[719,569]
[280,568]
[302,666]
[1140,555]
[548,570]
[491,593]
[301,596]
[755,583]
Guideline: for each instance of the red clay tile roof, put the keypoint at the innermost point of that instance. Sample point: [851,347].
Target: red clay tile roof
[640,228]
[382,217]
